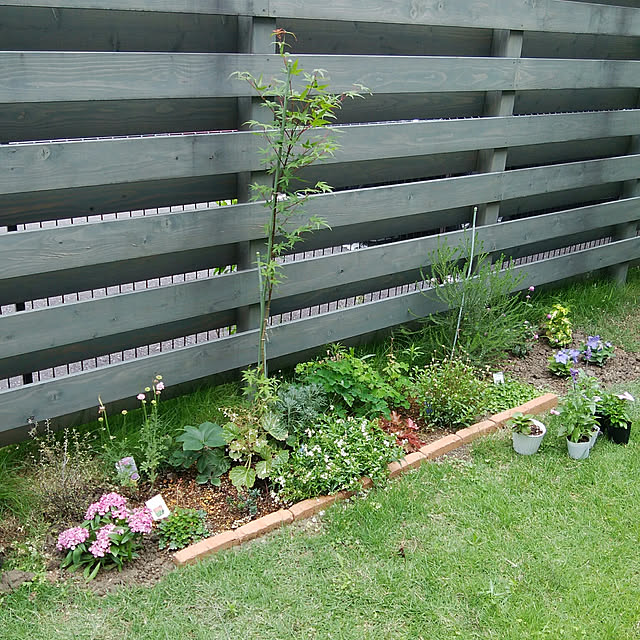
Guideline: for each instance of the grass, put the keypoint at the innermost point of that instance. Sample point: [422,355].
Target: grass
[599,307]
[499,547]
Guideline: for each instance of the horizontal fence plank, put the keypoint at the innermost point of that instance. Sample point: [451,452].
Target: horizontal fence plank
[211,7]
[149,247]
[41,29]
[36,206]
[90,328]
[59,120]
[68,165]
[26,76]
[75,393]
[543,15]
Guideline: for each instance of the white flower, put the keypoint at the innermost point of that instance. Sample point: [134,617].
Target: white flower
[626,396]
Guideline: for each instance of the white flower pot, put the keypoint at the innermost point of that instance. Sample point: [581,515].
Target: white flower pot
[594,436]
[527,445]
[579,450]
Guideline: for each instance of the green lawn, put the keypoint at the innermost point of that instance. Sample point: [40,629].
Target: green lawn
[499,547]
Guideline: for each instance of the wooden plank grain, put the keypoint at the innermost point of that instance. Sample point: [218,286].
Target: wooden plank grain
[541,15]
[69,251]
[68,165]
[26,76]
[212,7]
[73,394]
[79,76]
[89,328]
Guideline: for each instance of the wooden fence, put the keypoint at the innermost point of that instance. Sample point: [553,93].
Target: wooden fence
[121,128]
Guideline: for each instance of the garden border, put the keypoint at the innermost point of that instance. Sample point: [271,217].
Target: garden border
[311,506]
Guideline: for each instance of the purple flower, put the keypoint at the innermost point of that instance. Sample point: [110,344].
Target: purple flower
[573,354]
[588,353]
[71,538]
[574,374]
[532,288]
[593,342]
[562,357]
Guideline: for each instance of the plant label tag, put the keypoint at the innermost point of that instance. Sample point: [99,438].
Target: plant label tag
[498,378]
[126,467]
[158,507]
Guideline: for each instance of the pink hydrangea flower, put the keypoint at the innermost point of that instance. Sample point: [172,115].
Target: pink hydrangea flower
[102,543]
[71,538]
[108,502]
[140,520]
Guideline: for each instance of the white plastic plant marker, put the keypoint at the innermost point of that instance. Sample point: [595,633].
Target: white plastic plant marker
[498,378]
[158,507]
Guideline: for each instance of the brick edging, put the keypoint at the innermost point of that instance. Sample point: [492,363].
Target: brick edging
[307,508]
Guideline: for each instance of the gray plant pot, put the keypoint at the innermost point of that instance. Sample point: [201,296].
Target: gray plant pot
[579,450]
[528,445]
[594,436]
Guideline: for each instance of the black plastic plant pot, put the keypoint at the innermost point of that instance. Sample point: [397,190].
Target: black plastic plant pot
[619,435]
[604,423]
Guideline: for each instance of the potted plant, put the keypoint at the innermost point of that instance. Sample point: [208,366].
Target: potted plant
[527,433]
[613,416]
[577,416]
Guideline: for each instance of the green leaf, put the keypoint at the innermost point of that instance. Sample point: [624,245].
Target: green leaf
[263,469]
[272,425]
[207,434]
[242,477]
[76,556]
[281,458]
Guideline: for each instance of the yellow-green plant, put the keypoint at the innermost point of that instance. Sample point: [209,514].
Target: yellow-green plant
[557,326]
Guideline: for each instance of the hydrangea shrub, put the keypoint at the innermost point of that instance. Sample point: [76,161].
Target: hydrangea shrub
[110,535]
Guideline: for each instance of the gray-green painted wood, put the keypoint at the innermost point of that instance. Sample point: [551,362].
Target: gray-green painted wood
[77,76]
[67,395]
[59,120]
[60,257]
[84,329]
[206,7]
[370,38]
[41,29]
[68,165]
[544,15]
[35,206]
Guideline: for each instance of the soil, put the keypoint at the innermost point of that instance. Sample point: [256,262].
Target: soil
[532,368]
[227,509]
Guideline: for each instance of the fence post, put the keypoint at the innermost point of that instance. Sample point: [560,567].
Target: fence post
[255,35]
[506,44]
[630,189]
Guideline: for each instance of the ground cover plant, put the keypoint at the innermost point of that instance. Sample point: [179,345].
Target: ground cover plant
[496,546]
[290,407]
